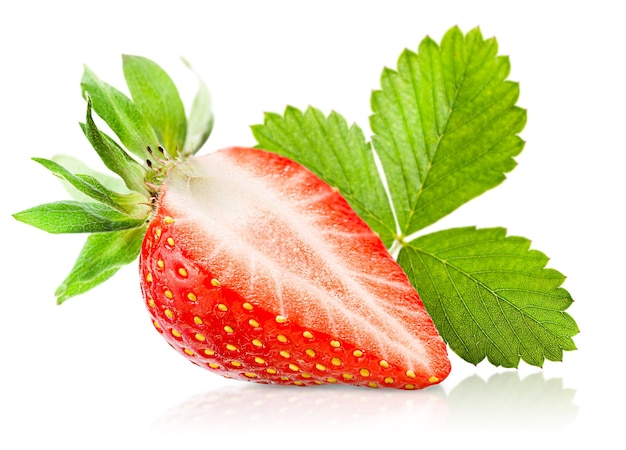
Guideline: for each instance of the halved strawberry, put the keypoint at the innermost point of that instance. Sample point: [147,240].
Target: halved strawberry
[254,267]
[250,265]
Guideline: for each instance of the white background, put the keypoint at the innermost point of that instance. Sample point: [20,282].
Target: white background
[94,373]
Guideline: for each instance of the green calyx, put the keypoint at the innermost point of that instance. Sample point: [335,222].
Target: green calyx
[153,132]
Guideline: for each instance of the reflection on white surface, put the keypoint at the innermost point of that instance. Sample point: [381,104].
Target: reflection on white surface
[502,402]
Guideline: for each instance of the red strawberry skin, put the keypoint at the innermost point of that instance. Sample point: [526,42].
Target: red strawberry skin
[256,269]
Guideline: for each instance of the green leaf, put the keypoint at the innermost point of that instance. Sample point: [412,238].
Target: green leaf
[114,157]
[77,217]
[126,203]
[201,119]
[74,165]
[121,115]
[491,296]
[156,96]
[336,153]
[445,125]
[101,257]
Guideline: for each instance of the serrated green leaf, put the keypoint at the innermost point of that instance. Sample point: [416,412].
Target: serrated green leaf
[491,296]
[446,126]
[126,203]
[101,257]
[156,96]
[336,153]
[121,115]
[201,119]
[114,157]
[77,217]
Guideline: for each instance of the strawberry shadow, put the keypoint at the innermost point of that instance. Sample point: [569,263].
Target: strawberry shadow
[506,403]
[503,402]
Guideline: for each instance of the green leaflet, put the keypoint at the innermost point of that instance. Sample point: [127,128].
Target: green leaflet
[121,114]
[70,216]
[74,165]
[200,120]
[125,203]
[445,126]
[114,157]
[335,152]
[491,296]
[155,95]
[101,257]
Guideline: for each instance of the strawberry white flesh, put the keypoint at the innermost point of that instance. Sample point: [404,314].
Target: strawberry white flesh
[290,244]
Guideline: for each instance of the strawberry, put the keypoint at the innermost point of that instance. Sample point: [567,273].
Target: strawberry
[250,265]
[255,268]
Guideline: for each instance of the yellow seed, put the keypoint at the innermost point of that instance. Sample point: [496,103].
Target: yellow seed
[214,366]
[336,361]
[285,354]
[229,329]
[282,338]
[209,352]
[149,277]
[215,282]
[250,375]
[388,380]
[160,263]
[306,375]
[169,220]
[189,352]
[200,337]
[222,307]
[318,382]
[284,378]
[347,376]
[197,320]
[384,364]
[151,303]
[156,325]
[294,367]
[170,241]
[176,333]
[320,367]
[433,379]
[308,335]
[247,306]
[335,344]
[157,233]
[410,374]
[257,343]
[310,352]
[235,363]
[357,353]
[231,347]
[191,296]
[259,360]
[271,371]
[182,272]
[168,294]
[253,323]
[331,380]
[409,386]
[372,384]
[364,372]
[298,383]
[281,319]
[169,313]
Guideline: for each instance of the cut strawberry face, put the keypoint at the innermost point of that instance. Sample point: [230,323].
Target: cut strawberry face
[254,267]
